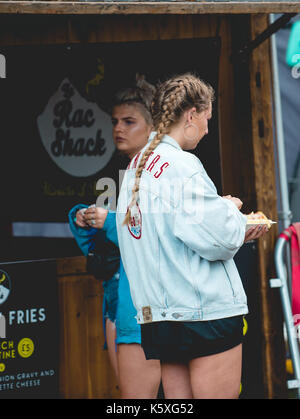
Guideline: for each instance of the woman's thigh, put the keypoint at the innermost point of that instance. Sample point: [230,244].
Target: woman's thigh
[217,376]
[176,381]
[138,377]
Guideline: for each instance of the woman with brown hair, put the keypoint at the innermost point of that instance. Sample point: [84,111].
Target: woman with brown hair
[177,242]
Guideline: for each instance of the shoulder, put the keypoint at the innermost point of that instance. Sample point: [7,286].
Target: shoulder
[180,160]
[168,160]
[192,161]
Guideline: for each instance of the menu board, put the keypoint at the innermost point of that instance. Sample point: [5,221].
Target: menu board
[29,330]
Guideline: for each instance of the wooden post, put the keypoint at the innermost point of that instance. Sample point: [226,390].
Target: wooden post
[265,187]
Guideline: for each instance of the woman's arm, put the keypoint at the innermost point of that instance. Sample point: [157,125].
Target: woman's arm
[84,236]
[103,219]
[207,223]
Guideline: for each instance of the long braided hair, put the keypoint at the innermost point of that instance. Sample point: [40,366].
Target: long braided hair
[171,99]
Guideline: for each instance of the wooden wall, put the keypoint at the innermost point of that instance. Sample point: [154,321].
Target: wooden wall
[85,371]
[247,172]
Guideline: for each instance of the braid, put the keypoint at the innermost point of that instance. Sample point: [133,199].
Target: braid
[163,128]
[171,99]
[154,143]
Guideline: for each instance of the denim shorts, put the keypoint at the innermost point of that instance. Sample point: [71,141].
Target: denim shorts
[180,342]
[128,330]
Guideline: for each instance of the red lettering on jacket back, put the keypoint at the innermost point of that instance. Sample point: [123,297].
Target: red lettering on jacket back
[153,163]
[134,162]
[162,167]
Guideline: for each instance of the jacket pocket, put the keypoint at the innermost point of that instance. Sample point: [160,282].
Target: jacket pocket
[234,280]
[229,279]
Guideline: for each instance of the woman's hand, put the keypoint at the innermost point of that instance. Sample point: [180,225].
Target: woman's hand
[255,232]
[237,202]
[95,217]
[80,219]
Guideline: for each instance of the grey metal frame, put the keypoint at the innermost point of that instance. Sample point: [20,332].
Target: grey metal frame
[282,283]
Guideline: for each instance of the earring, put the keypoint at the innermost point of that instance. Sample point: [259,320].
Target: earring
[191,138]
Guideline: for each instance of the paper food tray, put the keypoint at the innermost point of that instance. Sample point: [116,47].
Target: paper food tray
[254,223]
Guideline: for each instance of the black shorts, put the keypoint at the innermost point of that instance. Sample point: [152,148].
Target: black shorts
[173,341]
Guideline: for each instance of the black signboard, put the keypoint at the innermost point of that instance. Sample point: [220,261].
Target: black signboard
[29,330]
[56,132]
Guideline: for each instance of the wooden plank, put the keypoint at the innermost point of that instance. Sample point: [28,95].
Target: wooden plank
[235,116]
[265,187]
[226,114]
[63,29]
[85,370]
[73,359]
[174,7]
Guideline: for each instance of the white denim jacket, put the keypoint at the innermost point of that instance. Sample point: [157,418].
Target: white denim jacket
[179,246]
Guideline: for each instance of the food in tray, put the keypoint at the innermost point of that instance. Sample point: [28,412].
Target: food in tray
[258,218]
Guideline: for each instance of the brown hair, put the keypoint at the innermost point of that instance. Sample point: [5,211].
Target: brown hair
[141,94]
[171,99]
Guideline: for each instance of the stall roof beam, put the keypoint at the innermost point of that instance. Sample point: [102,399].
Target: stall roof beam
[243,52]
[148,7]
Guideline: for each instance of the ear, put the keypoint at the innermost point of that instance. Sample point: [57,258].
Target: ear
[189,114]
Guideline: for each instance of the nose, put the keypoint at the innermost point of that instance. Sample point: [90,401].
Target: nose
[118,127]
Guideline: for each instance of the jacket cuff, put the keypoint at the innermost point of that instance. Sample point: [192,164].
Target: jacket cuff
[110,219]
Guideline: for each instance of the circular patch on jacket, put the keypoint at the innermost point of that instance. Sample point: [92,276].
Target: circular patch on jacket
[135,222]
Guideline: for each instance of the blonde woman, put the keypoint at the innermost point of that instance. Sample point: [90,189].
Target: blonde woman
[177,242]
[138,378]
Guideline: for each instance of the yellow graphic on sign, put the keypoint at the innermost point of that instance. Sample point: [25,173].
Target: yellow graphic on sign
[98,77]
[25,348]
[2,367]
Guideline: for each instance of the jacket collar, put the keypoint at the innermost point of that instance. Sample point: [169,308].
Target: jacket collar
[166,139]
